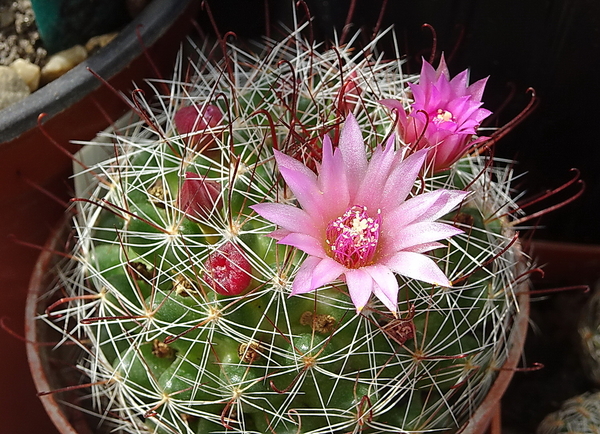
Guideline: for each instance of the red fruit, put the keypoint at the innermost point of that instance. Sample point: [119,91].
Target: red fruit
[228,270]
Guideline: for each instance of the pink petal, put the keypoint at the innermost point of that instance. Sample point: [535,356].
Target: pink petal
[332,180]
[288,217]
[378,172]
[424,207]
[279,234]
[304,276]
[416,234]
[417,266]
[477,88]
[392,104]
[401,180]
[428,74]
[385,287]
[460,82]
[360,286]
[442,68]
[302,181]
[306,243]
[352,148]
[427,247]
[327,271]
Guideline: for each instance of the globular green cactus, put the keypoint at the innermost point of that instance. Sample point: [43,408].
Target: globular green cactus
[588,329]
[577,415]
[179,291]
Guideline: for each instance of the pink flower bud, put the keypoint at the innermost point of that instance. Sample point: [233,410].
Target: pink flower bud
[228,271]
[444,117]
[198,196]
[195,119]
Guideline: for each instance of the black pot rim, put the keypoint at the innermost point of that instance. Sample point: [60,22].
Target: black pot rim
[70,88]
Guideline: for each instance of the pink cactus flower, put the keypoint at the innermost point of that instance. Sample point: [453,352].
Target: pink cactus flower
[444,117]
[355,221]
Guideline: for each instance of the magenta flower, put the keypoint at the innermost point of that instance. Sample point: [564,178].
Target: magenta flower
[355,221]
[444,117]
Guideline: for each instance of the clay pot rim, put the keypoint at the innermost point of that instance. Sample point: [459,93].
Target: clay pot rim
[481,418]
[38,280]
[70,88]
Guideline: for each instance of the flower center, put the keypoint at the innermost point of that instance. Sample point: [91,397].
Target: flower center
[352,238]
[443,116]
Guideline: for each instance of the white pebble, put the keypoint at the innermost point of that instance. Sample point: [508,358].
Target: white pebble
[29,72]
[63,61]
[12,87]
[99,41]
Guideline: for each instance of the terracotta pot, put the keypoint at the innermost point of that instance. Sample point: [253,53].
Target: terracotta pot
[52,370]
[487,415]
[31,163]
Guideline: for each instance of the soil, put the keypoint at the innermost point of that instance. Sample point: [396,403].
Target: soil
[19,37]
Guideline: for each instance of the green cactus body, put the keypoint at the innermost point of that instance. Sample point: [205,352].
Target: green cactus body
[577,415]
[183,358]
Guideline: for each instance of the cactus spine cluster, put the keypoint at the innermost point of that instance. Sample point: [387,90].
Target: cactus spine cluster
[180,300]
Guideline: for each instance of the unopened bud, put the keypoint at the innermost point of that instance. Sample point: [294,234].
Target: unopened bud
[198,196]
[348,96]
[195,119]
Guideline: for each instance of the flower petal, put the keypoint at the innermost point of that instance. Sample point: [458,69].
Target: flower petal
[417,234]
[302,181]
[360,286]
[302,281]
[306,243]
[385,287]
[377,173]
[353,150]
[417,266]
[288,217]
[401,180]
[326,272]
[423,207]
[332,180]
[427,247]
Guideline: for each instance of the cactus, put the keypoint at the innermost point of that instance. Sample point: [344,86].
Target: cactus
[178,286]
[588,329]
[577,415]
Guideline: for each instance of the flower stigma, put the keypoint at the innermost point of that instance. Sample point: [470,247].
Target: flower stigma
[443,116]
[352,238]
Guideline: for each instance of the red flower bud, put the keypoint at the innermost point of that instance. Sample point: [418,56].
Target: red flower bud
[228,271]
[198,196]
[195,119]
[349,95]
